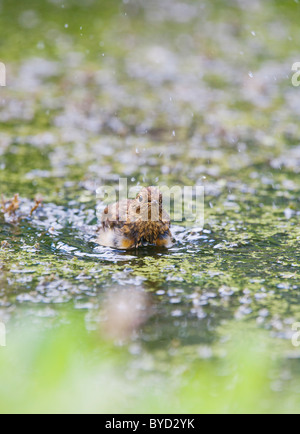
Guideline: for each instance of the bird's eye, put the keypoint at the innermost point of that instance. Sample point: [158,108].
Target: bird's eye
[141,199]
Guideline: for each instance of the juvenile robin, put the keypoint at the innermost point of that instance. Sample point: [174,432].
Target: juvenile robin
[135,223]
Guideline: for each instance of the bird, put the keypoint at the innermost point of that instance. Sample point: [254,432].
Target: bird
[135,223]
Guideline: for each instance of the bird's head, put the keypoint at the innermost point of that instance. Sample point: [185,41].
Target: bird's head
[148,204]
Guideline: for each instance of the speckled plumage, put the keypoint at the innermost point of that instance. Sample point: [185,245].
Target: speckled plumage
[134,223]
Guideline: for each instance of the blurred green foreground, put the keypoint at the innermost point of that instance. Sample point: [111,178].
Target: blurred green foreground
[67,370]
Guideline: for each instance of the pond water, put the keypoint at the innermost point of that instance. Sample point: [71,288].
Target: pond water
[161,93]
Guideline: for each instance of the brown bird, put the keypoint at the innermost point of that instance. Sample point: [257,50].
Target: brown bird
[135,223]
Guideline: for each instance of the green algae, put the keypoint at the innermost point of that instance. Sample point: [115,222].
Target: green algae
[156,100]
